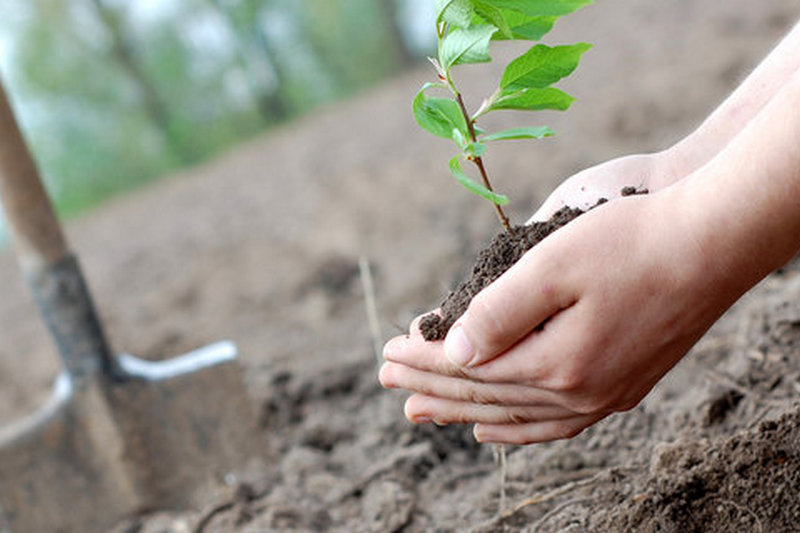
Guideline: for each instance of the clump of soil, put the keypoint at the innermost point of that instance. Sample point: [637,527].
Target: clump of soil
[698,486]
[504,250]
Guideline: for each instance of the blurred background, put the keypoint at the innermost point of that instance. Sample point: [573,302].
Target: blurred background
[114,93]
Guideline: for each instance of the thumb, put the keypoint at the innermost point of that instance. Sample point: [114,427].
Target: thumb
[505,312]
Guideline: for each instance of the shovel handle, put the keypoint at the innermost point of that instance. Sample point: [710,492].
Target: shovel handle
[33,224]
[51,270]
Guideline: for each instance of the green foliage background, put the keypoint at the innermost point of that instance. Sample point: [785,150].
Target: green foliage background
[114,93]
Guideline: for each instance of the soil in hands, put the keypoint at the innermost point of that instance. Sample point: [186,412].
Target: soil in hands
[504,250]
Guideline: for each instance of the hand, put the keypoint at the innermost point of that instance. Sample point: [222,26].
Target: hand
[606,180]
[621,294]
[589,320]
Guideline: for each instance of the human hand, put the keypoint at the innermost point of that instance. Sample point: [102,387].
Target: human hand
[606,180]
[589,319]
[621,294]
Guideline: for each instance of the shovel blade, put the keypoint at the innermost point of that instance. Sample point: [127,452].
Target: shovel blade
[100,450]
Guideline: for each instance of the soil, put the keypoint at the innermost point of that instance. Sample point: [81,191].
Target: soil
[498,256]
[504,250]
[262,246]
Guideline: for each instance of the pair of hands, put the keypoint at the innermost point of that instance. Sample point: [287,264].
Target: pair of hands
[625,290]
[621,295]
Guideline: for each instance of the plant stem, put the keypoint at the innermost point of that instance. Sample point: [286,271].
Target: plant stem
[498,209]
[479,161]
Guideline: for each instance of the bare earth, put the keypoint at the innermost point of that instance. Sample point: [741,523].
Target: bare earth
[261,246]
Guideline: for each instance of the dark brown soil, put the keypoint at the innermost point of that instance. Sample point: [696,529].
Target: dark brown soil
[504,250]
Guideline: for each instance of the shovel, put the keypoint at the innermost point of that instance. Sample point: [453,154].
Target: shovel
[119,435]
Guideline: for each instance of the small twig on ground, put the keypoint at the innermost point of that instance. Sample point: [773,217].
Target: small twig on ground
[209,515]
[594,476]
[552,479]
[372,309]
[546,496]
[553,512]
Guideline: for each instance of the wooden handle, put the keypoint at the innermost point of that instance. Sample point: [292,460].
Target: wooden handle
[32,221]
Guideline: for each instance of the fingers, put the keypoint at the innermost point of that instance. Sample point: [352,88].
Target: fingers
[529,395]
[428,357]
[536,362]
[533,432]
[420,408]
[414,351]
[509,309]
[398,376]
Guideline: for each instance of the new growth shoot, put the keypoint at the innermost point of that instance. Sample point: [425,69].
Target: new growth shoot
[465,29]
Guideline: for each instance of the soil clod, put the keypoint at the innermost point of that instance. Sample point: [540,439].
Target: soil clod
[504,250]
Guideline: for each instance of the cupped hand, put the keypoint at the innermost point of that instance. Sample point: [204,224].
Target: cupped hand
[582,326]
[606,180]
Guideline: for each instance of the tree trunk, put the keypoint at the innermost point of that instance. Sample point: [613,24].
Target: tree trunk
[271,105]
[391,20]
[154,105]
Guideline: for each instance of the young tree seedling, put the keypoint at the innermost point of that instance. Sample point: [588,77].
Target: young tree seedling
[465,29]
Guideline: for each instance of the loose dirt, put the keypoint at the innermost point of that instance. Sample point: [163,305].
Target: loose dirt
[262,245]
[493,261]
[504,250]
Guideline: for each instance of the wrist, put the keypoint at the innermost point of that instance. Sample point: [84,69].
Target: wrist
[680,160]
[742,205]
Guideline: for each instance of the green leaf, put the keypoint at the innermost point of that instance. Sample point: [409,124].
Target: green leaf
[460,139]
[536,132]
[457,13]
[536,8]
[439,116]
[468,148]
[525,27]
[521,26]
[534,99]
[480,190]
[493,16]
[474,149]
[542,66]
[462,46]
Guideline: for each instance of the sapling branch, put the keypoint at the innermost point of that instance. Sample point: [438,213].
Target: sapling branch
[478,160]
[465,114]
[465,29]
[499,210]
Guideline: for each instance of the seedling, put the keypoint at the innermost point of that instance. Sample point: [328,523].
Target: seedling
[465,29]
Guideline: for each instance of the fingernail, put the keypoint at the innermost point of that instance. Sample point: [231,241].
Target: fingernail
[481,435]
[422,420]
[457,347]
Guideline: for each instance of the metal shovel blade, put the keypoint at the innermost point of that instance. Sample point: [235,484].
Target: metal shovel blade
[96,452]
